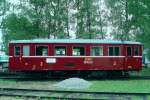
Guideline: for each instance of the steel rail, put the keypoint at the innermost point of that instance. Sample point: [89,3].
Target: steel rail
[67,91]
[46,97]
[21,93]
[65,95]
[98,78]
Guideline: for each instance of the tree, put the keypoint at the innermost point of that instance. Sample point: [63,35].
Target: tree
[120,19]
[2,7]
[141,21]
[101,20]
[89,19]
[16,27]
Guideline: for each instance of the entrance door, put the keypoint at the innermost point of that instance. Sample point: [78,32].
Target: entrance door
[16,59]
[129,58]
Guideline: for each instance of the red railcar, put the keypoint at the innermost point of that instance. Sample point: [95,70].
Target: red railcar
[74,55]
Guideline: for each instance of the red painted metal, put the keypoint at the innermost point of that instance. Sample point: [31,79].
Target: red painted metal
[69,62]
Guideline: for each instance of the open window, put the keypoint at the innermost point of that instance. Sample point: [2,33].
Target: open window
[129,51]
[41,50]
[78,51]
[136,51]
[17,51]
[60,50]
[114,51]
[97,51]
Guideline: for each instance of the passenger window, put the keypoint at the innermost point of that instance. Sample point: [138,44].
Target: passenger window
[17,51]
[26,51]
[136,51]
[97,51]
[114,51]
[129,51]
[41,50]
[60,50]
[78,51]
[111,50]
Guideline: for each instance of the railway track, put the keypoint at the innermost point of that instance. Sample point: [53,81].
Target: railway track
[7,75]
[70,95]
[91,78]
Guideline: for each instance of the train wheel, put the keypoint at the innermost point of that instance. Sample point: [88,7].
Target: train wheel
[99,74]
[114,74]
[125,74]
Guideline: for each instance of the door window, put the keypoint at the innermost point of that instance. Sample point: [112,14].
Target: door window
[17,51]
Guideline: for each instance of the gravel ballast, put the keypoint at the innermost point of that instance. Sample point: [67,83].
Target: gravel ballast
[73,83]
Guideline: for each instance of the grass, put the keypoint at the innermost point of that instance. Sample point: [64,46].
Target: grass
[27,84]
[139,86]
[143,72]
[125,85]
[15,98]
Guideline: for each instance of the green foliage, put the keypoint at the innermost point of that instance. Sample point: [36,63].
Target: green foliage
[89,19]
[16,25]
[119,19]
[128,19]
[141,21]
[41,20]
[131,19]
[16,28]
[130,86]
[2,7]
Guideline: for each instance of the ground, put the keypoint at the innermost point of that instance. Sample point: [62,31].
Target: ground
[126,85]
[109,85]
[118,85]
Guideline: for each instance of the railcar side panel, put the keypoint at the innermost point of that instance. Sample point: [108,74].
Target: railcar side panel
[69,62]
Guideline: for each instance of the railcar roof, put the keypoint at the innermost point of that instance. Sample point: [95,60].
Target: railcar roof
[74,41]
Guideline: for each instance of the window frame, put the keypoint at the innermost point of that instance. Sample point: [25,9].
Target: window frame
[97,46]
[79,46]
[114,50]
[39,46]
[60,46]
[15,51]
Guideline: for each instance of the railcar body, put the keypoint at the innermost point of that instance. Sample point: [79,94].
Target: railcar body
[74,54]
